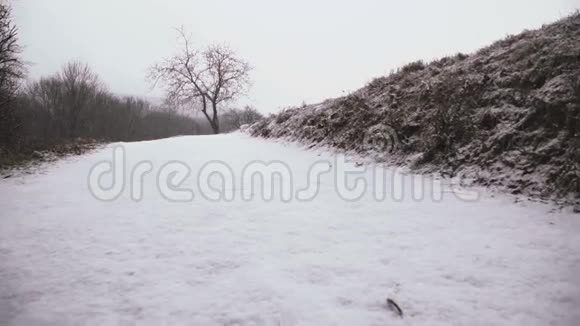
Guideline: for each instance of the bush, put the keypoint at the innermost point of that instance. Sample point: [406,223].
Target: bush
[412,67]
[233,119]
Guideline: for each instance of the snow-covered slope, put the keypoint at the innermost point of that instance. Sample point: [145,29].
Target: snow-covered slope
[67,258]
[507,115]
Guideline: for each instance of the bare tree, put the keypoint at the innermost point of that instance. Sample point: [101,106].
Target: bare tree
[80,86]
[202,79]
[11,74]
[69,96]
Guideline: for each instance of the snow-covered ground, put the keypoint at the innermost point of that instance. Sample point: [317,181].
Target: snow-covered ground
[67,258]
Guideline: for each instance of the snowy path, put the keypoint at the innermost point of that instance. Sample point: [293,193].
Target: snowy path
[68,259]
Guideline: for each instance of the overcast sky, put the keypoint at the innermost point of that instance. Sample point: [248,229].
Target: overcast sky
[301,50]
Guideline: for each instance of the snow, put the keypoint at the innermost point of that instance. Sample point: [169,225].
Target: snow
[67,258]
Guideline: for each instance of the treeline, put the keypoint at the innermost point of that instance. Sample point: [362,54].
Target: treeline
[74,106]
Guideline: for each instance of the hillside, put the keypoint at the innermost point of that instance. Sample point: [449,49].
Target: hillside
[507,115]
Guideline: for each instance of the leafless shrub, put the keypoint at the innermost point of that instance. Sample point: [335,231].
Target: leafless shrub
[234,118]
[412,67]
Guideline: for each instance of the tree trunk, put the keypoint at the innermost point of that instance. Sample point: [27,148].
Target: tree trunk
[215,123]
[215,127]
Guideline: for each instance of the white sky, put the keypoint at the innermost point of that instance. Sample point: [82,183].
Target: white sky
[300,50]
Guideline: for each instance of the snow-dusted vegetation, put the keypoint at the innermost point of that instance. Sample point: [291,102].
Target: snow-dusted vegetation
[507,115]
